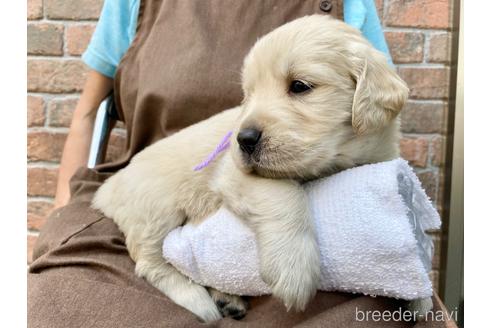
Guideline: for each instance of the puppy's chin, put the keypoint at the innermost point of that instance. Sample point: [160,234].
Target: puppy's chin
[252,164]
[241,160]
[249,164]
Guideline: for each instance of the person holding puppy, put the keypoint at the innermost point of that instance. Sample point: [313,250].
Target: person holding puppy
[182,67]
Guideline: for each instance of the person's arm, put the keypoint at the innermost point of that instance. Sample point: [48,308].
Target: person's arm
[76,150]
[114,31]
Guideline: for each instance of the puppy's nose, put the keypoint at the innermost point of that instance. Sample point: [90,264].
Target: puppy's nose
[248,139]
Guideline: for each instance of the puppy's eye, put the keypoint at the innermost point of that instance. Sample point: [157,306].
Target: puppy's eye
[297,86]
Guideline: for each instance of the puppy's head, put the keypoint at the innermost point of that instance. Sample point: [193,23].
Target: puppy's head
[314,92]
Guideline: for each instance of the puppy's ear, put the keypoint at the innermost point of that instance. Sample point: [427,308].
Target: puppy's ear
[379,94]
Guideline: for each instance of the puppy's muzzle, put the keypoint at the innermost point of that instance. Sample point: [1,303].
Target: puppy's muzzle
[248,140]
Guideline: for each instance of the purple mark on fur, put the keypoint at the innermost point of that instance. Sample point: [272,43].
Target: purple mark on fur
[223,145]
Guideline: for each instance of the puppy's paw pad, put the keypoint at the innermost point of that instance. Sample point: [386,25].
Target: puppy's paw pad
[230,305]
[233,312]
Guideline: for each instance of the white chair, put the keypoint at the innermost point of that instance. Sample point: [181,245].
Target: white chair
[106,116]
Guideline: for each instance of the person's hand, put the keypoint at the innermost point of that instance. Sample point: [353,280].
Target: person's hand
[76,149]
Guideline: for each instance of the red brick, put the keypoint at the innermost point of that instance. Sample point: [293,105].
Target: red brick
[78,37]
[37,211]
[45,146]
[440,48]
[437,149]
[418,13]
[406,47]
[116,147]
[418,117]
[380,8]
[60,111]
[73,9]
[41,181]
[415,150]
[45,39]
[430,183]
[436,260]
[426,82]
[55,76]
[31,241]
[434,278]
[34,9]
[35,111]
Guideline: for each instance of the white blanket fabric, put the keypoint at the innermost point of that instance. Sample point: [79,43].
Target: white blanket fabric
[370,223]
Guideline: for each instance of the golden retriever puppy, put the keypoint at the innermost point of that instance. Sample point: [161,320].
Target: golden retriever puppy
[317,98]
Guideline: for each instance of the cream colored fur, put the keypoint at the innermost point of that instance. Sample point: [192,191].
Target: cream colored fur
[347,119]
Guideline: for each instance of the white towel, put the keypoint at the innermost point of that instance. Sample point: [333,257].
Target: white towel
[370,224]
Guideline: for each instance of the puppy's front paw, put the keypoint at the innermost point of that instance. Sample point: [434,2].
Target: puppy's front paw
[294,277]
[196,299]
[296,289]
[229,305]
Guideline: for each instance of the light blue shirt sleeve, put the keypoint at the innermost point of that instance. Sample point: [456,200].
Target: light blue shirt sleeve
[114,33]
[362,14]
[118,23]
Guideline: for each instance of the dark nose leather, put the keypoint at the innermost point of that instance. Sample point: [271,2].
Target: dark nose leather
[248,139]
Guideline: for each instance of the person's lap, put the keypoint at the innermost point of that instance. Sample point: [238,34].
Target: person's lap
[82,275]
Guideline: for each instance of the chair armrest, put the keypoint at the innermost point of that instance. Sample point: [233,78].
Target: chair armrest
[106,114]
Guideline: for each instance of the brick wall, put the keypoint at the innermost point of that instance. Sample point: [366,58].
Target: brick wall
[419,36]
[418,33]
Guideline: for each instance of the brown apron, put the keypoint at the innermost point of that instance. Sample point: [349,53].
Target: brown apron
[182,67]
